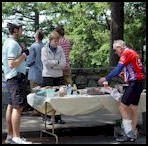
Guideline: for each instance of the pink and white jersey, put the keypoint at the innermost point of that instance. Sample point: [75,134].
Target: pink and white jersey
[133,69]
[66,45]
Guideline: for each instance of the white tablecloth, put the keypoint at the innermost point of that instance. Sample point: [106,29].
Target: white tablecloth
[78,104]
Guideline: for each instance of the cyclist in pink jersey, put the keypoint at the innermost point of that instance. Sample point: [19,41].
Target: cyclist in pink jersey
[130,63]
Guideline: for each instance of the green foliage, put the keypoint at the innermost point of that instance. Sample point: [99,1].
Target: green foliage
[101,56]
[135,24]
[86,23]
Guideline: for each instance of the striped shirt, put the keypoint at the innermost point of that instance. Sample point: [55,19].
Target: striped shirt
[66,45]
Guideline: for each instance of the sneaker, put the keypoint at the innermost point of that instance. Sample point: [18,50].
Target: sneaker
[48,122]
[8,139]
[118,131]
[20,141]
[125,138]
[60,122]
[132,134]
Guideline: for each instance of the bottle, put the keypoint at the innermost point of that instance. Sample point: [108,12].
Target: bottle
[69,89]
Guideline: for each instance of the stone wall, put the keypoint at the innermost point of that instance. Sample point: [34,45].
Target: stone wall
[88,77]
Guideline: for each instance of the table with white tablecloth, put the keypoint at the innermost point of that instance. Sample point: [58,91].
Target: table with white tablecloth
[77,104]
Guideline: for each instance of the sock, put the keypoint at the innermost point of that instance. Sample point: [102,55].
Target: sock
[127,125]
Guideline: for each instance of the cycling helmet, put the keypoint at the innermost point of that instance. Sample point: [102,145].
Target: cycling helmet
[14,24]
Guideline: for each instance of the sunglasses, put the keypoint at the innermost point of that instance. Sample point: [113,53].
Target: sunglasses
[115,51]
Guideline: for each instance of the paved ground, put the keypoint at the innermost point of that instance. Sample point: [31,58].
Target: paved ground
[93,128]
[98,118]
[100,139]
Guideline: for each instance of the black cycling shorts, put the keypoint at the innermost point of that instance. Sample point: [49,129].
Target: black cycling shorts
[133,92]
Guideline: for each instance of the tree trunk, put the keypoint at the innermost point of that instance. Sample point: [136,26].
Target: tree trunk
[36,20]
[117,28]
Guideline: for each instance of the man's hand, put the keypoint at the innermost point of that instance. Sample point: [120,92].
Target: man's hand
[26,51]
[101,80]
[121,75]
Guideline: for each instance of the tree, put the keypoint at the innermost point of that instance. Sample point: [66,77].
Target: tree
[29,14]
[117,27]
[88,24]
[135,27]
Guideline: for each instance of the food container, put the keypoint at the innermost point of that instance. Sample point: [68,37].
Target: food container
[62,91]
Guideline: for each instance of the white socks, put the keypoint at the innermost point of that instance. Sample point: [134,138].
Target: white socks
[127,125]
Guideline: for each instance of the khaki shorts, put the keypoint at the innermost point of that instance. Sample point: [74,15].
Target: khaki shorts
[17,92]
[67,76]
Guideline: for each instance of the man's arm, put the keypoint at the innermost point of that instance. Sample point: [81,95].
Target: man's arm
[14,63]
[112,74]
[115,72]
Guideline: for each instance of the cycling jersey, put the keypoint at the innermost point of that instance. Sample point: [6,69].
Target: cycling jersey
[131,64]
